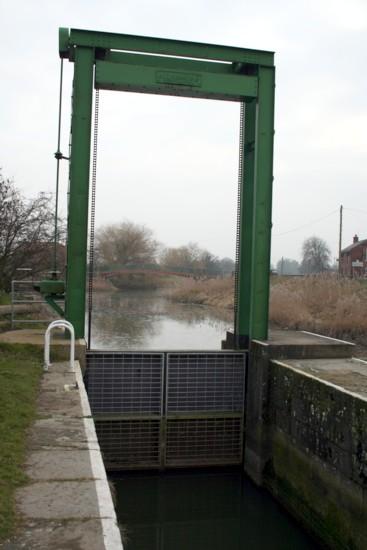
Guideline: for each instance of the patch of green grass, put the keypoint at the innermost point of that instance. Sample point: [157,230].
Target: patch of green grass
[4,299]
[20,374]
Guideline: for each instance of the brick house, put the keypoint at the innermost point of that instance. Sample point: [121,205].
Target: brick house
[354,259]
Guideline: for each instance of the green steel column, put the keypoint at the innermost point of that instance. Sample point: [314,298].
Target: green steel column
[246,227]
[262,204]
[79,188]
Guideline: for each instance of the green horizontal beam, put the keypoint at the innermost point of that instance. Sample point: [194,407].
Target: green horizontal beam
[174,63]
[126,42]
[159,80]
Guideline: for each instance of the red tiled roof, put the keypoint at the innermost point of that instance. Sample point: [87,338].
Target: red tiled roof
[352,246]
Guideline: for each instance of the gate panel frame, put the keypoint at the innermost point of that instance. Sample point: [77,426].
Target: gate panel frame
[205,415]
[165,418]
[131,416]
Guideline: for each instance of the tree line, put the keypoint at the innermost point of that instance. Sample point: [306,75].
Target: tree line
[27,236]
[27,233]
[129,244]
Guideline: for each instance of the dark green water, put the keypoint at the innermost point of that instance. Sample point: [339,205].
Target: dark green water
[202,510]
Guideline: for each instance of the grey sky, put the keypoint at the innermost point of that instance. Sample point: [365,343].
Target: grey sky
[171,163]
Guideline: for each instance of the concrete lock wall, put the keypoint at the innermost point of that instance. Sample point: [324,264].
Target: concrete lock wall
[306,441]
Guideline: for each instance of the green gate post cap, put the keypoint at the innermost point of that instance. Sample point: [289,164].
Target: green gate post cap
[64,42]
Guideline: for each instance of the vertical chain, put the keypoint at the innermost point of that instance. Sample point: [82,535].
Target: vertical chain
[92,219]
[58,158]
[238,221]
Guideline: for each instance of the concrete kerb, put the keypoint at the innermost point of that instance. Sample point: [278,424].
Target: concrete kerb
[111,531]
[319,380]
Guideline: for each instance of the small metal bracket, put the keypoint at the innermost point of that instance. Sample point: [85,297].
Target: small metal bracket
[50,299]
[60,156]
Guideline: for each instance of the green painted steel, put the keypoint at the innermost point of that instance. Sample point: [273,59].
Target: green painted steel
[51,300]
[157,80]
[171,63]
[79,189]
[232,74]
[259,311]
[165,46]
[49,286]
[64,42]
[247,224]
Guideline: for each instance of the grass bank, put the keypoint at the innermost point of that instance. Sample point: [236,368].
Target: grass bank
[20,374]
[5,299]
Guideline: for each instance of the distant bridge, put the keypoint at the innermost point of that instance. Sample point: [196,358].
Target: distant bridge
[145,271]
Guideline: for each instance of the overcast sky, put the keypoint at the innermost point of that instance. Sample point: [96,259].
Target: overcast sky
[171,163]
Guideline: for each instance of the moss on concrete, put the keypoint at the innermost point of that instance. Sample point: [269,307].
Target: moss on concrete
[326,504]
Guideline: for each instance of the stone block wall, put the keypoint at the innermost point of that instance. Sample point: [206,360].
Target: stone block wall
[306,441]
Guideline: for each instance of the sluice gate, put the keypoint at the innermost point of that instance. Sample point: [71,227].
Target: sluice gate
[157,410]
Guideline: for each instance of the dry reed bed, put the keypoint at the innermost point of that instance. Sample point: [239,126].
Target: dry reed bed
[319,303]
[211,292]
[322,303]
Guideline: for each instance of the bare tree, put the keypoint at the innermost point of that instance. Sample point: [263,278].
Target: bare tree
[316,255]
[124,244]
[26,232]
[190,258]
[179,258]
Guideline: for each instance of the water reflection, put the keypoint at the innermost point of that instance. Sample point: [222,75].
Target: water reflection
[196,510]
[150,320]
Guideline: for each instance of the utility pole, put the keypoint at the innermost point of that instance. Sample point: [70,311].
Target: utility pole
[340,239]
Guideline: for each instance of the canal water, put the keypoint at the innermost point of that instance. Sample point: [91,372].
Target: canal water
[217,510]
[149,320]
[185,510]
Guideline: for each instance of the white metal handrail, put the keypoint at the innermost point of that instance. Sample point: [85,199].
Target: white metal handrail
[59,323]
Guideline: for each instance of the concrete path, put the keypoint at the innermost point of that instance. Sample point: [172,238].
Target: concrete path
[18,308]
[67,504]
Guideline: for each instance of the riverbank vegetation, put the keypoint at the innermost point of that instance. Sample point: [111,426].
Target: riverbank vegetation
[20,374]
[27,231]
[211,292]
[4,299]
[320,303]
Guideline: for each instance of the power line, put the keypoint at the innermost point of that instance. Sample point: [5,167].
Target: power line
[356,210]
[307,224]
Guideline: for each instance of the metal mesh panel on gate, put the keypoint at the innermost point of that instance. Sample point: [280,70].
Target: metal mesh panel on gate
[205,382]
[125,383]
[204,408]
[129,444]
[204,441]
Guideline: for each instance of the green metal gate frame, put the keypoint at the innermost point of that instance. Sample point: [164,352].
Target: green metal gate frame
[169,67]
